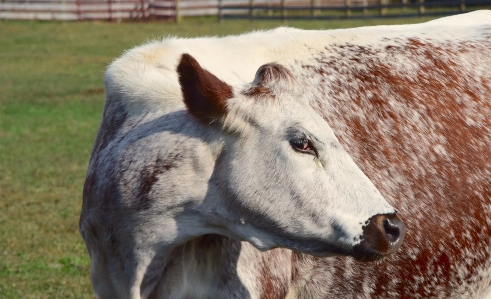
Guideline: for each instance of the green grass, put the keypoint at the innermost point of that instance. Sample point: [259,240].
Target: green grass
[51,98]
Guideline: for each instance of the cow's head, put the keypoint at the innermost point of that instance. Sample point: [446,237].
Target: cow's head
[282,179]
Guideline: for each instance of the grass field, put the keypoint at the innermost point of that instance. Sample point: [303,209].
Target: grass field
[51,98]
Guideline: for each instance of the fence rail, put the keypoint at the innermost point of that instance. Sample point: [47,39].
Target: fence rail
[104,9]
[228,9]
[337,9]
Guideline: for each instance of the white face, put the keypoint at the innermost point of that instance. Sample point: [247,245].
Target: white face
[282,179]
[287,182]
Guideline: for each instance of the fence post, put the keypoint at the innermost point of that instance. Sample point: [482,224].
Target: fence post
[283,10]
[79,17]
[462,6]
[142,3]
[421,7]
[313,12]
[109,10]
[404,4]
[251,10]
[383,9]
[177,4]
[220,11]
[347,5]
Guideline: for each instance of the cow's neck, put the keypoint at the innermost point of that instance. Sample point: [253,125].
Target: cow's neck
[214,266]
[204,267]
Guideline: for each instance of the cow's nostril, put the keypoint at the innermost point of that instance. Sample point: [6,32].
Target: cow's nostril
[392,229]
[382,235]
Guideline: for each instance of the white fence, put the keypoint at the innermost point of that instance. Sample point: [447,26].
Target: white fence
[174,9]
[105,9]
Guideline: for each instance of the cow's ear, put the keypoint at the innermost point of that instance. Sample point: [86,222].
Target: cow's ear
[204,94]
[270,79]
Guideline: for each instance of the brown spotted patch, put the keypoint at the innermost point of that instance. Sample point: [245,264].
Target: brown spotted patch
[415,117]
[274,284]
[150,176]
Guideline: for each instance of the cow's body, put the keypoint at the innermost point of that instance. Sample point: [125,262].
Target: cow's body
[411,104]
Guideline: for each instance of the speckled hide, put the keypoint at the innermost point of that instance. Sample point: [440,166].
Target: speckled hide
[409,104]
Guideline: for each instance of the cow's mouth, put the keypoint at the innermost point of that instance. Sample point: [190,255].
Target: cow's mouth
[366,255]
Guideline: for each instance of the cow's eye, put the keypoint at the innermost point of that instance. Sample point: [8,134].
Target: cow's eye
[304,145]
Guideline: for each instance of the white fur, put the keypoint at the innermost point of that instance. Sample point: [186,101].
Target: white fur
[145,79]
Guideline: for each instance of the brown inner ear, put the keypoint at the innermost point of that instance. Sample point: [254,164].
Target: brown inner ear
[204,94]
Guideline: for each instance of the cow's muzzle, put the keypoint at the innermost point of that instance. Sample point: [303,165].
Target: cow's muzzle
[382,236]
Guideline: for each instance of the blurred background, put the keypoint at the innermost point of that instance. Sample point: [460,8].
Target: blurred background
[53,54]
[226,9]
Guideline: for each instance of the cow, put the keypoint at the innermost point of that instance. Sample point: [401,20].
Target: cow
[259,165]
